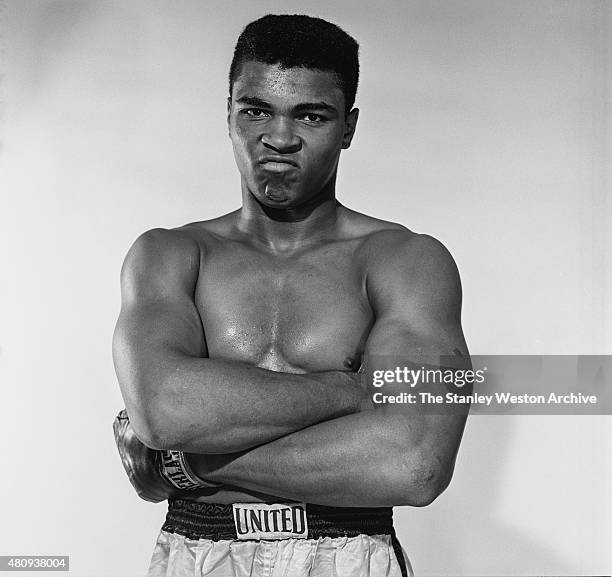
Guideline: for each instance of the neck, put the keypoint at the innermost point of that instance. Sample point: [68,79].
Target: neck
[288,229]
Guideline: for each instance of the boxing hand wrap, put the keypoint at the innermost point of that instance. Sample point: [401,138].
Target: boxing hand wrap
[156,475]
[178,472]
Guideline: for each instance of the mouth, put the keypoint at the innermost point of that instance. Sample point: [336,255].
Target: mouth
[277,164]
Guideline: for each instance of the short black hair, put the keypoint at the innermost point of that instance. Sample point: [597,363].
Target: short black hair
[299,41]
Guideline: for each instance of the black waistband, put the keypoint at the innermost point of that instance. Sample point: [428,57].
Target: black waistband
[216,522]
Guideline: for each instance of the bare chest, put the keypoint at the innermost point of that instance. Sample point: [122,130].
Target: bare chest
[301,313]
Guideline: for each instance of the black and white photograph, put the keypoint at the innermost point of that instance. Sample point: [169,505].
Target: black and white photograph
[306,288]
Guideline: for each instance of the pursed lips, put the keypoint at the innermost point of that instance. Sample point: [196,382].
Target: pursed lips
[277,163]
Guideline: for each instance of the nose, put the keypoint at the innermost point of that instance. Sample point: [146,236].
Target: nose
[280,136]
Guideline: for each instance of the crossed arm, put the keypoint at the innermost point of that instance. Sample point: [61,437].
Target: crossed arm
[304,437]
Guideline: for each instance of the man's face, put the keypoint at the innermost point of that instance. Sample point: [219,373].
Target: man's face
[287,128]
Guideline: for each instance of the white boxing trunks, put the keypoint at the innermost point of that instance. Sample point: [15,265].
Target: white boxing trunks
[277,540]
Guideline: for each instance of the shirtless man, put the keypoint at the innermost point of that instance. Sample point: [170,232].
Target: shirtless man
[239,341]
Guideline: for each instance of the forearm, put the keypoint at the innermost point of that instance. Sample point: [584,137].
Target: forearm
[365,459]
[213,406]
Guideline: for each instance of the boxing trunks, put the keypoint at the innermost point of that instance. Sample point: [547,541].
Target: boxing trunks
[277,540]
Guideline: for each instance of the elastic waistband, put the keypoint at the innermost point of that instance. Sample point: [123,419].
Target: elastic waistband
[217,522]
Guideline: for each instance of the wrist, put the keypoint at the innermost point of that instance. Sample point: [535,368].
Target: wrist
[178,470]
[205,467]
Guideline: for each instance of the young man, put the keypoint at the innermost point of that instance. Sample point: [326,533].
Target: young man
[240,338]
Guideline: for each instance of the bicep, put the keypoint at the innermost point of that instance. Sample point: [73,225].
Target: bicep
[416,295]
[418,323]
[158,318]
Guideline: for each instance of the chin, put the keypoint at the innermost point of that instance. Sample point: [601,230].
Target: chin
[276,196]
[277,199]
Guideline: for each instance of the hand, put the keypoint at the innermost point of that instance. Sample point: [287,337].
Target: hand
[367,403]
[358,381]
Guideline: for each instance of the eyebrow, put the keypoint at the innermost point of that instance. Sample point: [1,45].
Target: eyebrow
[315,106]
[254,101]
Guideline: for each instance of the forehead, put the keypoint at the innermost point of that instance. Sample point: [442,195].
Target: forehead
[272,83]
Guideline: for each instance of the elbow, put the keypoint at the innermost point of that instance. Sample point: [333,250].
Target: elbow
[158,424]
[154,430]
[162,413]
[164,424]
[430,490]
[157,437]
[423,485]
[149,418]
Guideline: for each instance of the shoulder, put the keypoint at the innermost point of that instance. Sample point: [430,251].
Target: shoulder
[183,245]
[407,251]
[392,246]
[405,267]
[162,262]
[160,247]
[358,225]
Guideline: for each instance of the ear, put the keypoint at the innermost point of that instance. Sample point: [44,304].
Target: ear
[229,112]
[350,124]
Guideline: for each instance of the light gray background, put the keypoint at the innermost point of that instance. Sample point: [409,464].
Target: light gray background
[485,124]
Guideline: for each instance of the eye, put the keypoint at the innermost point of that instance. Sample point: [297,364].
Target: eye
[312,118]
[255,113]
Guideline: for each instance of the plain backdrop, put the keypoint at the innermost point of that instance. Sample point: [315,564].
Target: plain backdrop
[483,123]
